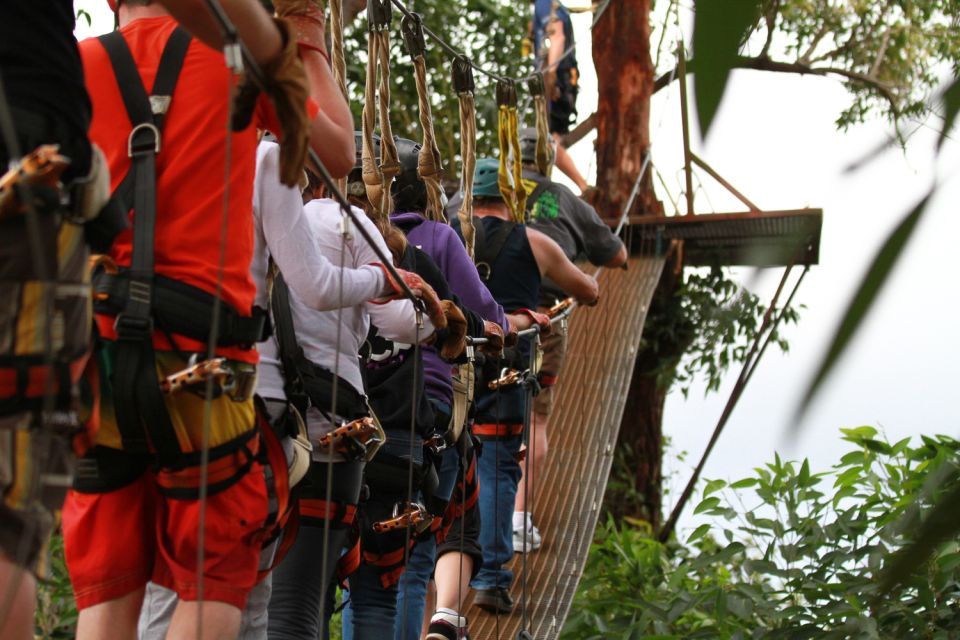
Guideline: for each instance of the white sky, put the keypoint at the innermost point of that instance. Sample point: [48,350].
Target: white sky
[774,139]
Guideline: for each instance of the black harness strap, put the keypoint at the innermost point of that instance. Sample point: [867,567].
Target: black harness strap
[486,252]
[137,398]
[306,383]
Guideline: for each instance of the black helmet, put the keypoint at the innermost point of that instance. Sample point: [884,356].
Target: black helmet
[355,186]
[409,191]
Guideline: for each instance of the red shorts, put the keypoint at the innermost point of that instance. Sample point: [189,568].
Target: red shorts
[115,542]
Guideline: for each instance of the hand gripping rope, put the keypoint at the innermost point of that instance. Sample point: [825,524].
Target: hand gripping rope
[378,177]
[429,163]
[464,85]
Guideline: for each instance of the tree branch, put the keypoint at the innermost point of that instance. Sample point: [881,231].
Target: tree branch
[766,64]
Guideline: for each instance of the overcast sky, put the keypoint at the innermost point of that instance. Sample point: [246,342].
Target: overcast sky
[775,140]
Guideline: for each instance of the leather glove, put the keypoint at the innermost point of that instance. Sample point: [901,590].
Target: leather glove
[542,320]
[493,332]
[285,82]
[452,341]
[307,23]
[420,288]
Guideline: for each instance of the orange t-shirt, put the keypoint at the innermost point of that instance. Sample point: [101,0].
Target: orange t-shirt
[190,170]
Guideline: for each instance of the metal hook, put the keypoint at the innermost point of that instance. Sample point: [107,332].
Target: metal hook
[412,29]
[379,14]
[463,75]
[506,93]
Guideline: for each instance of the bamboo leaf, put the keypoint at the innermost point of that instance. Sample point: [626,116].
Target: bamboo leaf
[951,104]
[863,300]
[718,31]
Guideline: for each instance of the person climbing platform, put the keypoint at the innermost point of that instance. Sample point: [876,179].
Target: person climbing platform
[551,32]
[512,259]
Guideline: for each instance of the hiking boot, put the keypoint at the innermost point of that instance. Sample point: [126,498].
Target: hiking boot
[447,626]
[534,540]
[495,600]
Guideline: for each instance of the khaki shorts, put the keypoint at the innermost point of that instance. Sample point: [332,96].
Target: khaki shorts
[554,353]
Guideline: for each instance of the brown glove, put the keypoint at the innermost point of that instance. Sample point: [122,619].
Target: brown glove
[307,23]
[540,319]
[493,332]
[452,342]
[420,289]
[285,82]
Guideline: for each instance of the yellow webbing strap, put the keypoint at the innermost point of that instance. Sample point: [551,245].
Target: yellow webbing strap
[544,153]
[338,60]
[378,177]
[509,178]
[464,85]
[429,163]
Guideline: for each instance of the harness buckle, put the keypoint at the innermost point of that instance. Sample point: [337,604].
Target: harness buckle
[463,75]
[506,93]
[412,29]
[379,14]
[353,439]
[133,328]
[413,514]
[135,146]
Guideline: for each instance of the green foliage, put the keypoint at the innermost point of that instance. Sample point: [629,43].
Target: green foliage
[489,31]
[792,554]
[56,610]
[714,319]
[891,56]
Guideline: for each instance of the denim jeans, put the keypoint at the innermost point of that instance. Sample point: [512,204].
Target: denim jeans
[499,474]
[412,596]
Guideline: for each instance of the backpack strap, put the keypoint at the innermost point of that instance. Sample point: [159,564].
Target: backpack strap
[137,396]
[535,194]
[486,251]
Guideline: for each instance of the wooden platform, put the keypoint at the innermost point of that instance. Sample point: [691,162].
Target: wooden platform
[753,238]
[583,433]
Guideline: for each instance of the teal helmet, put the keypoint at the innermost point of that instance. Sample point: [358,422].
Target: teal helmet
[485,179]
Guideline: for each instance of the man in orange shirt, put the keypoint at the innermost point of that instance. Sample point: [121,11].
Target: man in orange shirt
[145,506]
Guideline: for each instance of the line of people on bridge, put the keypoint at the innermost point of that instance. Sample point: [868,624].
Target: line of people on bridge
[237,408]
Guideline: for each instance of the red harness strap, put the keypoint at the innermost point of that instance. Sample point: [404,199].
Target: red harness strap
[315,511]
[494,430]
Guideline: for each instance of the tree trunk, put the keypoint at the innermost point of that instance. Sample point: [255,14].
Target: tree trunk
[625,75]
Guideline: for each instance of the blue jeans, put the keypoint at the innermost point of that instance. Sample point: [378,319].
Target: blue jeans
[412,596]
[499,474]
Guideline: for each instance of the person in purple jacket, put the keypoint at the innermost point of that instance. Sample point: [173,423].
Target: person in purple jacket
[453,569]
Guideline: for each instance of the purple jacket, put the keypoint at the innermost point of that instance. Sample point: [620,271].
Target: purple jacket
[443,244]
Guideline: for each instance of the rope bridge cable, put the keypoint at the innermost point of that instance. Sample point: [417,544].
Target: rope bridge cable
[509,178]
[749,366]
[338,60]
[378,178]
[464,85]
[429,163]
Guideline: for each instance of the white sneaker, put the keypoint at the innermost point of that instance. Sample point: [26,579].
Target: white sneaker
[534,540]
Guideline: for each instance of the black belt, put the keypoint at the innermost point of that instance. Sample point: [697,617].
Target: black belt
[183,309]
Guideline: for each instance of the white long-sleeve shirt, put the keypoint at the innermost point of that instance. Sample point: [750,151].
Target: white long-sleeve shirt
[281,230]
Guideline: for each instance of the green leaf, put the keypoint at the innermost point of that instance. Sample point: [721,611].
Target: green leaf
[713,486]
[698,533]
[718,31]
[876,276]
[743,484]
[707,504]
[940,524]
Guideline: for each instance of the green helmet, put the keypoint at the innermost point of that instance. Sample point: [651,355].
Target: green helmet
[485,179]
